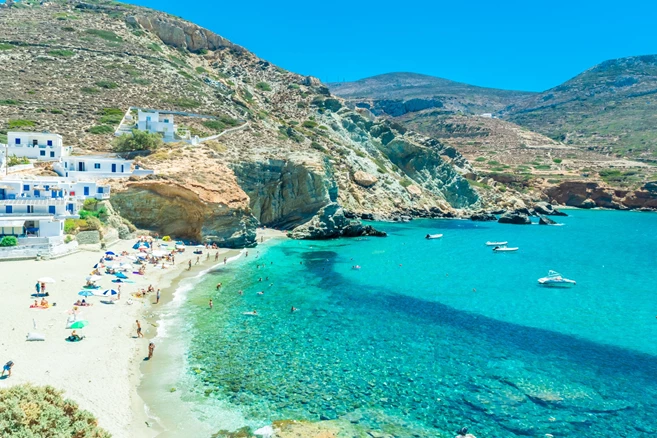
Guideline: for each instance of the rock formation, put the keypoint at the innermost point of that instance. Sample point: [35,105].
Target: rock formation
[592,194]
[180,34]
[365,179]
[547,209]
[483,217]
[330,223]
[188,211]
[544,220]
[515,217]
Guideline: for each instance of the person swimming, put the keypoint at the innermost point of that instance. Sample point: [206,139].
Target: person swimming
[261,293]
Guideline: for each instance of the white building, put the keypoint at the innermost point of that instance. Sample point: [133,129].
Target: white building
[36,146]
[154,122]
[96,167]
[39,207]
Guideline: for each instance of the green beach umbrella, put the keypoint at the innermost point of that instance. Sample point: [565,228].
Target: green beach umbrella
[78,324]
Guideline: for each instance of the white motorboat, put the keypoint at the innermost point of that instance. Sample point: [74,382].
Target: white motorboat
[433,236]
[496,243]
[555,279]
[504,249]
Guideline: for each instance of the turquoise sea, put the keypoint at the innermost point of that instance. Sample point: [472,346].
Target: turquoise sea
[433,335]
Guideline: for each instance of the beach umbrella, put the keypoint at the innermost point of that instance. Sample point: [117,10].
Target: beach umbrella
[46,280]
[94,278]
[107,293]
[85,293]
[109,253]
[159,253]
[78,324]
[132,258]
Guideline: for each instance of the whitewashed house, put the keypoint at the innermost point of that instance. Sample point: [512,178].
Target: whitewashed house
[154,122]
[39,207]
[97,167]
[40,146]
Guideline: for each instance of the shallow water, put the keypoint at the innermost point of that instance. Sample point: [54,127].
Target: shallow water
[431,336]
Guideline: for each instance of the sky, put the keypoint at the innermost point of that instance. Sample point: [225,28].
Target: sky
[530,45]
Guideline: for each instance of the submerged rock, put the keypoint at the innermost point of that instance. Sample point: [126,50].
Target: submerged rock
[330,223]
[514,217]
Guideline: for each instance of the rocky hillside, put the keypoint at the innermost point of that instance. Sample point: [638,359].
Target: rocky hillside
[610,107]
[291,150]
[396,94]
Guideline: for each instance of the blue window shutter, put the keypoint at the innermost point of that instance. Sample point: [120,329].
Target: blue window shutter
[49,143]
[51,209]
[9,209]
[18,141]
[26,187]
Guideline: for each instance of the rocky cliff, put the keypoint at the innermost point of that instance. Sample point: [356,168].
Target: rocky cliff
[592,194]
[287,150]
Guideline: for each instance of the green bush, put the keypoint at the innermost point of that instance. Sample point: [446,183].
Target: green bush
[142,81]
[557,160]
[184,102]
[480,159]
[9,102]
[62,53]
[21,123]
[138,141]
[4,46]
[34,411]
[405,182]
[309,124]
[70,226]
[200,70]
[56,111]
[263,86]
[317,146]
[107,85]
[90,204]
[215,125]
[90,90]
[100,130]
[8,241]
[155,47]
[104,34]
[15,161]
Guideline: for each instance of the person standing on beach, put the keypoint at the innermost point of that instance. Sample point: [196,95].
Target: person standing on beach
[210,304]
[37,286]
[198,260]
[139,333]
[216,256]
[157,297]
[43,287]
[151,348]
[189,266]
[118,293]
[218,286]
[224,259]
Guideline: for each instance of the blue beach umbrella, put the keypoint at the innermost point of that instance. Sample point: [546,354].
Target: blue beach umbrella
[109,253]
[85,293]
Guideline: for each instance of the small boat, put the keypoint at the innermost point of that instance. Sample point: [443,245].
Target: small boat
[355,267]
[433,236]
[554,279]
[254,313]
[504,249]
[496,243]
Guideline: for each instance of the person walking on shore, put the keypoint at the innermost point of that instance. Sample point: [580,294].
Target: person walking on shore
[189,265]
[198,259]
[211,304]
[37,286]
[7,368]
[157,297]
[151,348]
[139,333]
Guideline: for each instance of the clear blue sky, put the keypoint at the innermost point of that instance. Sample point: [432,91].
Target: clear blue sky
[524,45]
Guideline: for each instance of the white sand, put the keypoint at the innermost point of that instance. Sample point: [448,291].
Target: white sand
[101,373]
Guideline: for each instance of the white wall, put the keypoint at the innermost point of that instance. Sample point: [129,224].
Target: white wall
[51,228]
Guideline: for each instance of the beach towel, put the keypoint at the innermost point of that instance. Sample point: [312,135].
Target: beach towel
[35,337]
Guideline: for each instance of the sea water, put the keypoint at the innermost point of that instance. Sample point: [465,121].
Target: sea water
[429,336]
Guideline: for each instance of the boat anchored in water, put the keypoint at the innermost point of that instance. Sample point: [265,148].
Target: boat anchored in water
[554,279]
[489,243]
[433,236]
[504,249]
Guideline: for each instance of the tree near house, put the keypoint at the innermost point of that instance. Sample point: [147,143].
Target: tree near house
[137,141]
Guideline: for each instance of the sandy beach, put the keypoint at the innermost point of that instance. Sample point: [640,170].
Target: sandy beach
[102,372]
